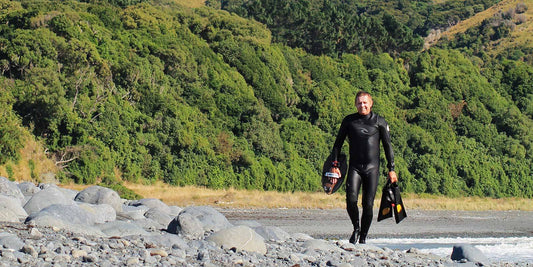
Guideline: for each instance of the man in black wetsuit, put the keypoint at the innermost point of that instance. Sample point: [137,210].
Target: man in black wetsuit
[364,129]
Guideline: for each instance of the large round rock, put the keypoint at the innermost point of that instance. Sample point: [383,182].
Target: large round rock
[44,198]
[69,213]
[241,238]
[152,203]
[100,195]
[11,210]
[28,188]
[11,189]
[194,222]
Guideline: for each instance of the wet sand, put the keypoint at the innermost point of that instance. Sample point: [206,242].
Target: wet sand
[334,223]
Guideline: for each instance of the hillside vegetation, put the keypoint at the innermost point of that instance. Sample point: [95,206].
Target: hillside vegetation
[505,30]
[147,91]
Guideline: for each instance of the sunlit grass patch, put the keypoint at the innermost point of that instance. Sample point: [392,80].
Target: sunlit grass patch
[233,198]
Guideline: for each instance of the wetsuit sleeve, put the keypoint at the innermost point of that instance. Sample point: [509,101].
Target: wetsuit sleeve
[387,145]
[339,141]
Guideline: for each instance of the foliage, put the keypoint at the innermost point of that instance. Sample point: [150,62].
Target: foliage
[11,134]
[334,27]
[157,91]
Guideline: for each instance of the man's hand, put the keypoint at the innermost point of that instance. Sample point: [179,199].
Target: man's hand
[393,177]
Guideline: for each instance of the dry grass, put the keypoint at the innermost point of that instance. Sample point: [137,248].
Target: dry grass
[232,198]
[522,35]
[475,20]
[32,163]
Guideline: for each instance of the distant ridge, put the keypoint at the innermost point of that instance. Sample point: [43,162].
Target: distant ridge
[475,20]
[521,36]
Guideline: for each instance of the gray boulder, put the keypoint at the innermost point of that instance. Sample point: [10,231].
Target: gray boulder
[187,225]
[272,233]
[132,212]
[11,189]
[195,222]
[158,215]
[68,193]
[7,215]
[11,209]
[470,253]
[100,195]
[57,223]
[120,228]
[174,211]
[101,213]
[152,203]
[10,241]
[239,237]
[44,198]
[69,213]
[28,188]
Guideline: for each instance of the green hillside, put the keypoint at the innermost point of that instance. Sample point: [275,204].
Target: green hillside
[146,91]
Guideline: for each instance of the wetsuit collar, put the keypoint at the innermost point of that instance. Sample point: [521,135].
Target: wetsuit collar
[367,116]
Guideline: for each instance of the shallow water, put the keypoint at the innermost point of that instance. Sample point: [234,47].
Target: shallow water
[497,249]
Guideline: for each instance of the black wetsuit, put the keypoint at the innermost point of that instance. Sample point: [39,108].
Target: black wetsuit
[364,133]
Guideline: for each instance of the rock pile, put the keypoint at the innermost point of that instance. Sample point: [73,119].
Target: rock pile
[46,225]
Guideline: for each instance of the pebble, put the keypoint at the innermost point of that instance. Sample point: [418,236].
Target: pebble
[158,252]
[132,261]
[34,232]
[78,253]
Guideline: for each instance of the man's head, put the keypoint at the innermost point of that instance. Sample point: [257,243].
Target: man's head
[363,102]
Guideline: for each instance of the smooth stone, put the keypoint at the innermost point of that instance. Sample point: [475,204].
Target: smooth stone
[240,237]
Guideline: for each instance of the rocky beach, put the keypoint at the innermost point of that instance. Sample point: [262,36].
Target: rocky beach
[45,225]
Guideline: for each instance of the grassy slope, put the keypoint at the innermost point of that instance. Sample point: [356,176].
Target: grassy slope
[33,163]
[522,35]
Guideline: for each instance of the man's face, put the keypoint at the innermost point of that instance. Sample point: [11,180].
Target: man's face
[363,104]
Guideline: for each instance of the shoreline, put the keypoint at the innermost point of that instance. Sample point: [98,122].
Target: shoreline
[335,223]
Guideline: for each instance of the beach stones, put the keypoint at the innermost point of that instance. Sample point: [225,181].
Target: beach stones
[70,228]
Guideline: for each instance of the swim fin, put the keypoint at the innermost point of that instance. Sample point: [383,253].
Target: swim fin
[399,208]
[391,203]
[387,198]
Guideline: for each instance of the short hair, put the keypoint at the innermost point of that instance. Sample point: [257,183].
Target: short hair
[362,93]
